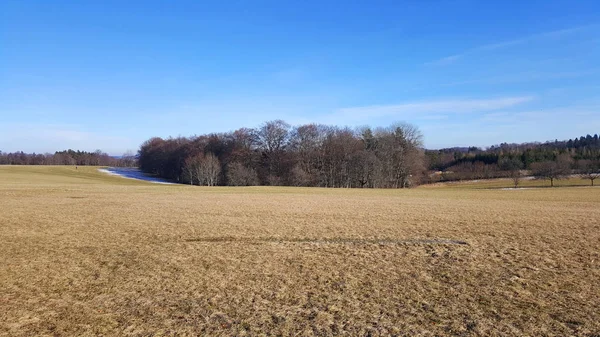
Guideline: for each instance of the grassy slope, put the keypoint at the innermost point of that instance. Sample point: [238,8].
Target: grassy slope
[84,253]
[508,183]
[69,175]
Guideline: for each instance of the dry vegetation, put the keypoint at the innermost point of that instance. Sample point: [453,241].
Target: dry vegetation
[85,254]
[525,182]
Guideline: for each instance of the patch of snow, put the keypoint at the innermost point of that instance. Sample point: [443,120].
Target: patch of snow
[133,173]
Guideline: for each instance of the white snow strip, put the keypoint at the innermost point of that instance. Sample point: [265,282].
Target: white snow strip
[133,173]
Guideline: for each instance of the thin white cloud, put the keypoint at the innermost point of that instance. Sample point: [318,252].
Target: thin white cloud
[504,44]
[527,77]
[425,109]
[495,117]
[445,60]
[555,34]
[558,113]
[514,127]
[541,114]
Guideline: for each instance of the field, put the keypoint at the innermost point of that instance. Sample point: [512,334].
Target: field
[82,254]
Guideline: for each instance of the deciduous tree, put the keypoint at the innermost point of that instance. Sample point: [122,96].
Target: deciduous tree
[552,170]
[589,169]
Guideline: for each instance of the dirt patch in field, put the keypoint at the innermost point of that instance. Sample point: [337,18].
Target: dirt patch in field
[333,241]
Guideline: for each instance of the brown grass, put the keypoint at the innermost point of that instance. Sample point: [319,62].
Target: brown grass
[526,182]
[87,254]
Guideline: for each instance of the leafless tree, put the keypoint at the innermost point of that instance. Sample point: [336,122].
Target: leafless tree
[240,175]
[211,169]
[242,143]
[191,168]
[515,176]
[364,169]
[273,136]
[127,159]
[552,170]
[399,148]
[194,169]
[272,139]
[589,169]
[513,166]
[300,177]
[306,143]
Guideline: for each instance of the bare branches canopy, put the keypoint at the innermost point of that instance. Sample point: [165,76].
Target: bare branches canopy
[278,154]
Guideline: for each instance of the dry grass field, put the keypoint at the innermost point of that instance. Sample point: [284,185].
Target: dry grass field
[87,254]
[526,182]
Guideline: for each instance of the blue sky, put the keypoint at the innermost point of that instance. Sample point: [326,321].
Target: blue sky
[110,74]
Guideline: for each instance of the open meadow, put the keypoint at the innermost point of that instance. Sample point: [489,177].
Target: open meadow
[83,254]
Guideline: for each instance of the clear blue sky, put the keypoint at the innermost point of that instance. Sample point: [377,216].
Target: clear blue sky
[110,74]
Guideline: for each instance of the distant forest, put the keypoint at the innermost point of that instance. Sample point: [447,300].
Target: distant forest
[573,156]
[328,156]
[68,157]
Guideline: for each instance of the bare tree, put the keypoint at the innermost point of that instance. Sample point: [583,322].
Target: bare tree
[306,144]
[300,177]
[513,166]
[272,139]
[211,169]
[365,166]
[127,159]
[243,143]
[338,148]
[194,170]
[515,176]
[273,136]
[240,175]
[191,168]
[589,169]
[552,170]
[399,149]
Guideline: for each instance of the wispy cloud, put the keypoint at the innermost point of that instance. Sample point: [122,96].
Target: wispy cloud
[526,77]
[555,34]
[445,60]
[515,126]
[435,109]
[581,112]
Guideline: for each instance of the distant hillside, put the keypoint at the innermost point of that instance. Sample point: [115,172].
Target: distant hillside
[496,161]
[66,157]
[315,155]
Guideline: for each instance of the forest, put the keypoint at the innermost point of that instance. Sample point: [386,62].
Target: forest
[68,157]
[276,153]
[330,156]
[579,155]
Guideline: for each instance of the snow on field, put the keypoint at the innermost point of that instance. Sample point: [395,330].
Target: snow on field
[132,173]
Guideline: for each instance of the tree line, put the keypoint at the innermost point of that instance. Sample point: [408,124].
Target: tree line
[68,157]
[278,154]
[329,156]
[550,160]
